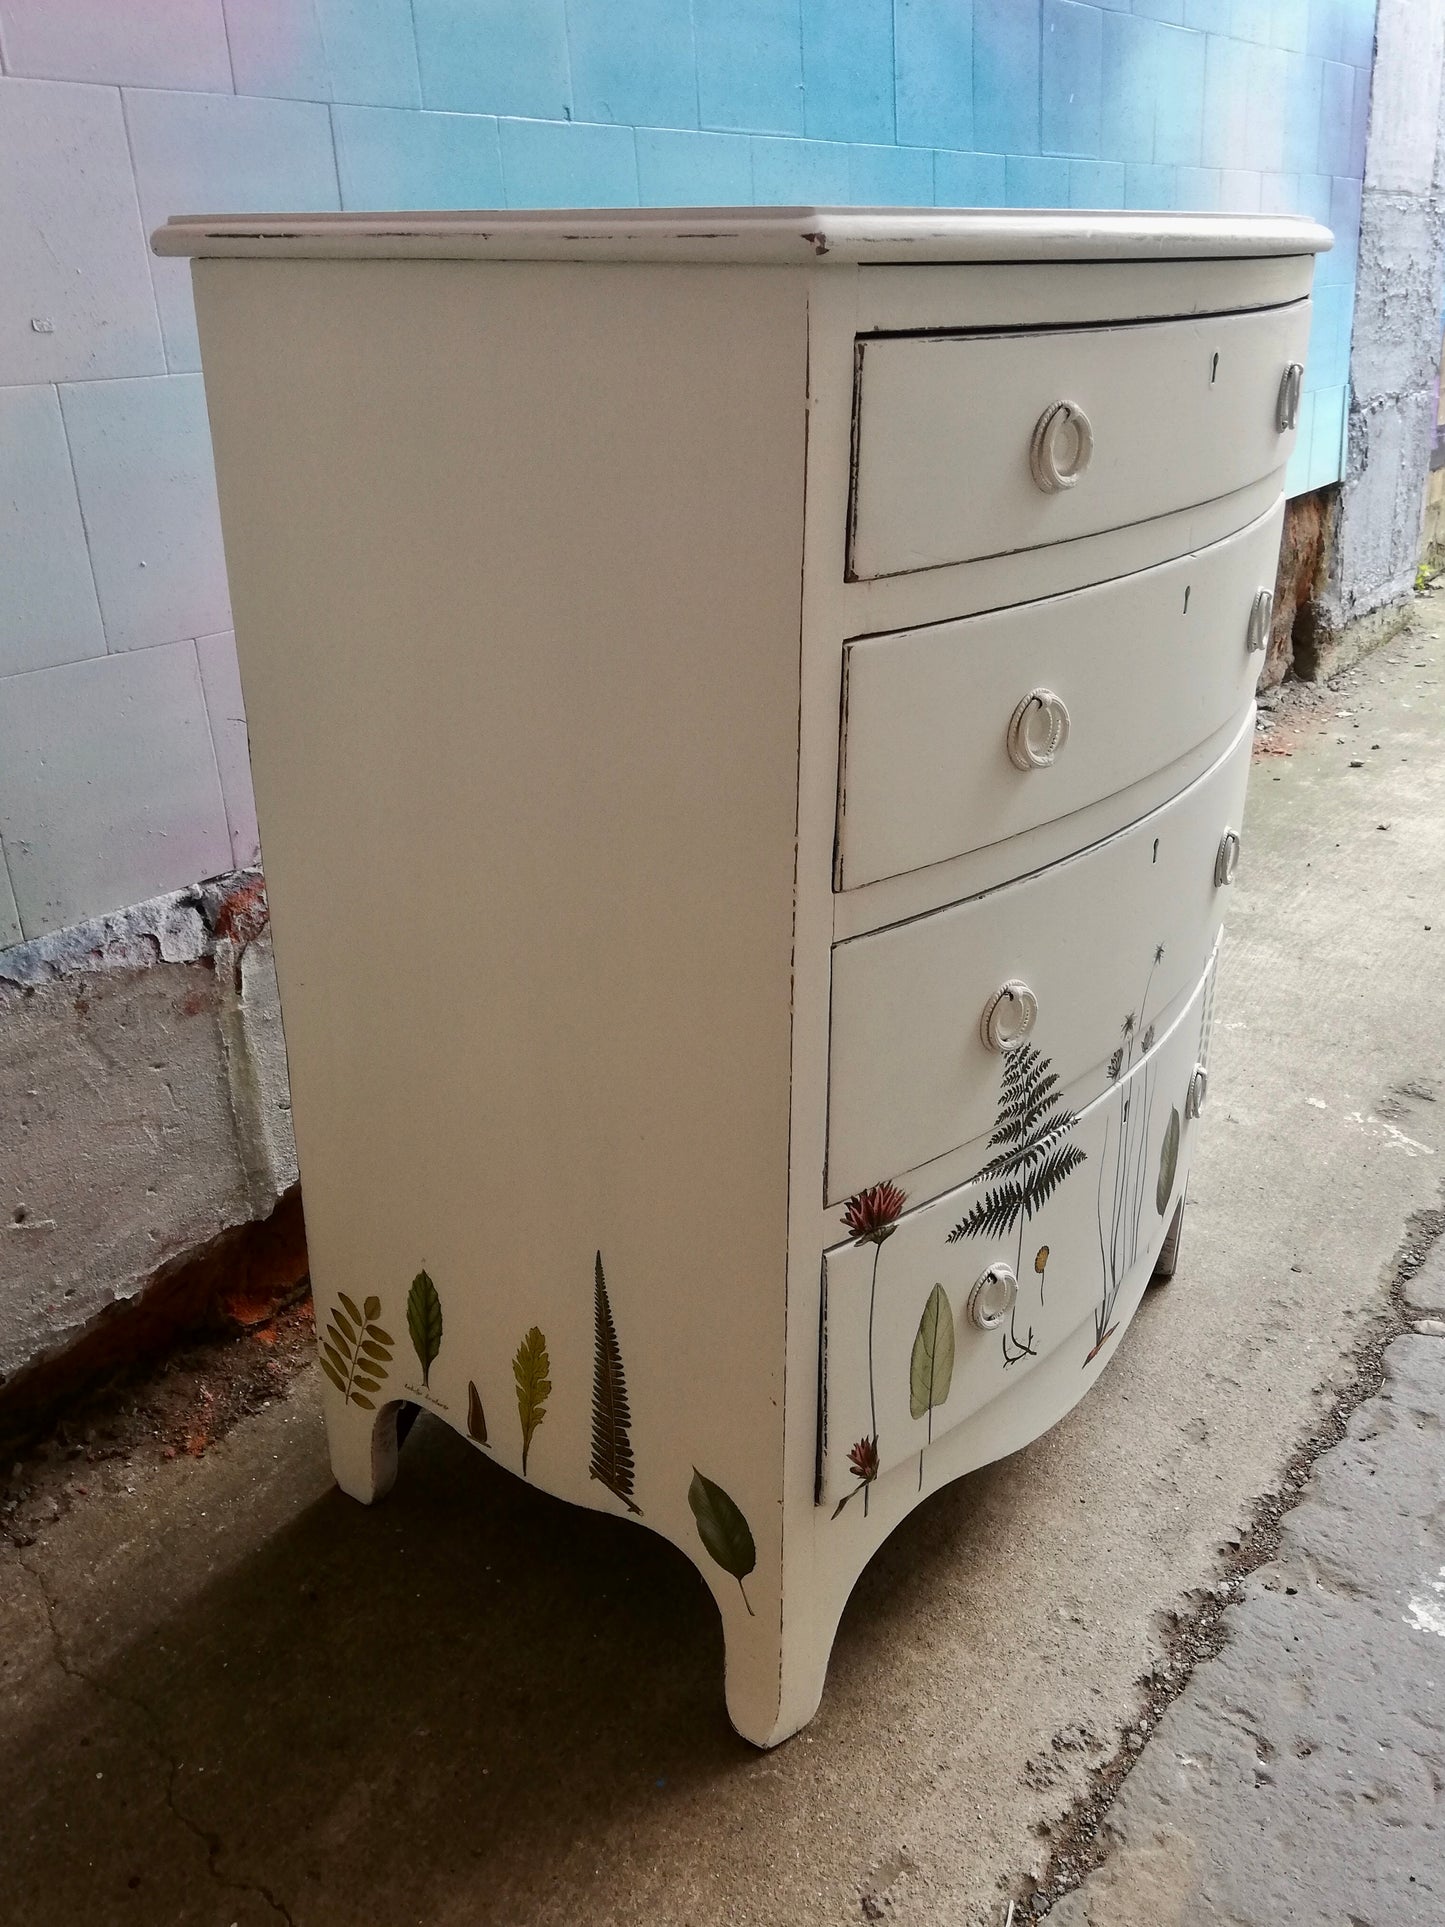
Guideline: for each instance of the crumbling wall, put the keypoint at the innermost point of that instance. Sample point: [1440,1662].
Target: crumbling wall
[143,1089]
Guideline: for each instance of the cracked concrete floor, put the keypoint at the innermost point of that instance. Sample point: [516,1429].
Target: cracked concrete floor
[232,1696]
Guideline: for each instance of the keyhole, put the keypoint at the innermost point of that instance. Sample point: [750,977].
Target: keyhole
[1186,598]
[1214,368]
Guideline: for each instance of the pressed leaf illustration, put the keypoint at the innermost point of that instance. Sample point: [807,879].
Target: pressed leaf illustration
[1168,1164]
[476,1417]
[424,1322]
[930,1372]
[723,1530]
[355,1351]
[530,1368]
[612,1461]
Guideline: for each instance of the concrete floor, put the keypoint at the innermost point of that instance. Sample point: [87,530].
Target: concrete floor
[232,1696]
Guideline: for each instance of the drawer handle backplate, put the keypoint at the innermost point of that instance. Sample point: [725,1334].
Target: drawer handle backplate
[1290,384]
[1037,730]
[1062,445]
[993,1297]
[1261,615]
[1008,1016]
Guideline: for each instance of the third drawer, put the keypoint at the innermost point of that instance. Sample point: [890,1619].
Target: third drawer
[949,731]
[1082,958]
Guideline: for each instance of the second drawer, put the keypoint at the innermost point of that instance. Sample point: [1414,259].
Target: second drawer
[948,732]
[1083,958]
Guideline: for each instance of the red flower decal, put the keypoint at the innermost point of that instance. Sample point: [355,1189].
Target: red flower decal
[863,1460]
[872,1214]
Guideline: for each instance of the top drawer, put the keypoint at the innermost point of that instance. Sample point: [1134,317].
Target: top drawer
[962,450]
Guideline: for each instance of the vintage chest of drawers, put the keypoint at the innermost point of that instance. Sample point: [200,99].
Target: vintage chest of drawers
[750,715]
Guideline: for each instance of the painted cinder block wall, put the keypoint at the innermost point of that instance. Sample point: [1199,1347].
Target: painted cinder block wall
[144,1101]
[122,750]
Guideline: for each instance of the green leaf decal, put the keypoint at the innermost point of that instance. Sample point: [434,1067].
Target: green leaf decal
[612,1462]
[1168,1164]
[476,1417]
[355,1351]
[530,1368]
[930,1371]
[424,1322]
[723,1530]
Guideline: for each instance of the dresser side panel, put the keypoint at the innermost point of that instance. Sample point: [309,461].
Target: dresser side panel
[515,552]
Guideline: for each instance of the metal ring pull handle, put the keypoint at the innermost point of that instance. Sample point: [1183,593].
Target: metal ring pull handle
[1198,1091]
[1226,859]
[1261,615]
[1037,730]
[1290,385]
[1008,1016]
[1062,445]
[993,1297]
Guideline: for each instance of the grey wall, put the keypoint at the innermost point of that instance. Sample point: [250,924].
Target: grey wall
[1395,354]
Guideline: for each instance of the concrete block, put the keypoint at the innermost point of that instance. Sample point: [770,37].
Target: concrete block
[1406,99]
[142,455]
[750,65]
[494,56]
[633,62]
[968,180]
[1007,56]
[75,290]
[144,1051]
[933,74]
[1198,188]
[1031,181]
[389,157]
[182,44]
[1150,185]
[890,176]
[1179,68]
[1126,124]
[1097,183]
[1303,111]
[343,50]
[1397,302]
[1239,190]
[1322,38]
[108,785]
[799,171]
[1337,104]
[221,684]
[10,931]
[215,154]
[48,610]
[848,70]
[1073,51]
[687,169]
[567,164]
[1225,135]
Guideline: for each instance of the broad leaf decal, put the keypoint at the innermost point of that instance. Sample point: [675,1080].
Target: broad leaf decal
[1168,1164]
[723,1530]
[424,1322]
[930,1372]
[476,1417]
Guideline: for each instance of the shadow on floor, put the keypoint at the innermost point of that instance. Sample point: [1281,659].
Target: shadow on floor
[473,1703]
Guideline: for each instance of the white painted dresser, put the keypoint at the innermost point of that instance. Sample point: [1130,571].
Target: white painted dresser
[750,715]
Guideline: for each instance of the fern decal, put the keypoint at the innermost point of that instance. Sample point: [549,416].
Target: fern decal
[424,1322]
[612,1462]
[355,1351]
[530,1368]
[1033,1155]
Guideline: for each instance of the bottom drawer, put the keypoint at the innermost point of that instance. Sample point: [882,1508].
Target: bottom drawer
[1042,1250]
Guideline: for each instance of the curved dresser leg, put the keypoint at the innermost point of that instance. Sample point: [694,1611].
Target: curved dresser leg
[363,1447]
[1168,1257]
[774,1677]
